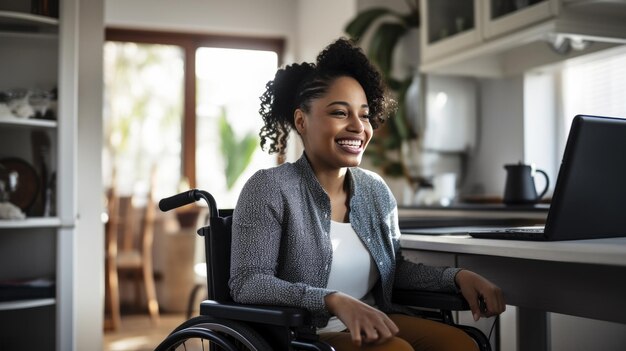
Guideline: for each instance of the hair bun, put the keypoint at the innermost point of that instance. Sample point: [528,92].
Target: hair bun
[342,55]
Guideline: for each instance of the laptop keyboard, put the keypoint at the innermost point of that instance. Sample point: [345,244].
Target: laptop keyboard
[524,230]
[511,233]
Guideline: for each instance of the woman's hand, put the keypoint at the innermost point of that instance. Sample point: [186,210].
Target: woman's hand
[483,296]
[366,324]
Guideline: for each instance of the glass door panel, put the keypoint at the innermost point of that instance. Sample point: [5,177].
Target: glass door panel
[449,17]
[143,109]
[504,7]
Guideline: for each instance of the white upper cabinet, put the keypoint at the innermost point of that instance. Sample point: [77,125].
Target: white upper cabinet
[498,38]
[449,26]
[505,16]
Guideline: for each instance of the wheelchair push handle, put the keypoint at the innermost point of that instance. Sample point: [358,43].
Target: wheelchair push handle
[186,198]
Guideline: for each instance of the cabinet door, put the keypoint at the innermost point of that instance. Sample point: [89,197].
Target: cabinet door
[505,16]
[449,26]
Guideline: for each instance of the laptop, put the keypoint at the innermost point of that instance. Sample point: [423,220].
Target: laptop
[589,198]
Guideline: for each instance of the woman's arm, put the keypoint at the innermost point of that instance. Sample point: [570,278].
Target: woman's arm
[411,275]
[472,286]
[256,238]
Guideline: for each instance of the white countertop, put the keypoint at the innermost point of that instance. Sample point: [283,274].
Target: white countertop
[608,251]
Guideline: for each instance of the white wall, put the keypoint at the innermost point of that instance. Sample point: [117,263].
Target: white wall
[500,136]
[267,18]
[250,17]
[319,23]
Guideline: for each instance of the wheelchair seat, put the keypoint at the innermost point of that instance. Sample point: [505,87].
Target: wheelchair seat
[226,325]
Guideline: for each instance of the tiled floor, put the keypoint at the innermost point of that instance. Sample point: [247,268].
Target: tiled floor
[137,333]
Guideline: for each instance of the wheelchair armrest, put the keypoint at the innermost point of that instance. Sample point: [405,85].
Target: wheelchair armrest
[429,299]
[275,315]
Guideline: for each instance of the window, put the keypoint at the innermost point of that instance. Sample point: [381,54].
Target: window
[229,83]
[143,115]
[165,97]
[594,85]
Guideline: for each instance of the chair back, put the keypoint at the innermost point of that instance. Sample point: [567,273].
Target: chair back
[217,238]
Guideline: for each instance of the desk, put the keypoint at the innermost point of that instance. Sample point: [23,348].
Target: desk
[582,278]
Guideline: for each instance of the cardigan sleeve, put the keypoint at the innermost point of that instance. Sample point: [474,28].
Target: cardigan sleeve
[411,275]
[256,237]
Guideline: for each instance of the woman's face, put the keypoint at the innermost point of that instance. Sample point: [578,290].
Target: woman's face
[336,130]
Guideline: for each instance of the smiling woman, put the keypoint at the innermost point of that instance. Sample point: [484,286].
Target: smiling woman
[297,228]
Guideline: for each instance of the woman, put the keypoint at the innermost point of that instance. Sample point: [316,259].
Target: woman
[322,233]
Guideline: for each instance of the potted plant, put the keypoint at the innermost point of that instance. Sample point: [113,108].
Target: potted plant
[387,27]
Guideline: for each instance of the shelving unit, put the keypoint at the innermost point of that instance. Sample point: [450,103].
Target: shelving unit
[34,56]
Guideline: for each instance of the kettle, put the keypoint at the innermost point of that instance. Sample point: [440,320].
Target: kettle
[520,185]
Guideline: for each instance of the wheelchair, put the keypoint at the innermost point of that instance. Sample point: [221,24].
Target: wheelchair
[229,326]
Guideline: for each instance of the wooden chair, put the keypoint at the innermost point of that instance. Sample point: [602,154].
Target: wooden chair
[130,257]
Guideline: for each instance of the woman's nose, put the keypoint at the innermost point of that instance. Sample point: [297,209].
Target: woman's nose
[355,124]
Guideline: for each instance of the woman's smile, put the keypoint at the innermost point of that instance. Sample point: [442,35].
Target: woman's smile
[353,146]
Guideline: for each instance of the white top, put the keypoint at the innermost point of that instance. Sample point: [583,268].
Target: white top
[352,271]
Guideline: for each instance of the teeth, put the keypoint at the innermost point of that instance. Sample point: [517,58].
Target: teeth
[349,142]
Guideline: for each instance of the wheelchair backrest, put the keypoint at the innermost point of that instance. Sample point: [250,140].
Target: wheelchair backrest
[217,237]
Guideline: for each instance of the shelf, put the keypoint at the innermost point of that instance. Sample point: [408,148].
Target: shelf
[20,18]
[27,122]
[22,304]
[19,23]
[33,222]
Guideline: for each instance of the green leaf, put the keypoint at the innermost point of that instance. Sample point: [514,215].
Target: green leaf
[394,84]
[239,162]
[383,43]
[412,19]
[359,25]
[395,169]
[402,126]
[237,153]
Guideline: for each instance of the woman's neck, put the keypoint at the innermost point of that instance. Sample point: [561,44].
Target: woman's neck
[335,185]
[333,182]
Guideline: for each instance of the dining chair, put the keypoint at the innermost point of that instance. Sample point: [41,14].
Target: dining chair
[132,255]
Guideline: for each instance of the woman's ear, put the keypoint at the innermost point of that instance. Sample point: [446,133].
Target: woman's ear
[299,120]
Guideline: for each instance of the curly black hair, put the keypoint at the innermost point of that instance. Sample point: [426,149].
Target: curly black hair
[296,85]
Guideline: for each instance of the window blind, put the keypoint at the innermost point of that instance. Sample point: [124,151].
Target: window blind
[595,86]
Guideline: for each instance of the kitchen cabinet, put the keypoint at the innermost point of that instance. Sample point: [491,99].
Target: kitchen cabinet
[499,38]
[505,16]
[37,57]
[449,26]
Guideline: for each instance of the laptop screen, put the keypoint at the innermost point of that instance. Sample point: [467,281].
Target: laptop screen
[589,199]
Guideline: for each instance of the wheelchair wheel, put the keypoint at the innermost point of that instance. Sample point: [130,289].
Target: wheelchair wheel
[207,333]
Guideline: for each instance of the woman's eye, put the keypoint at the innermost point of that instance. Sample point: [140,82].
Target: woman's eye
[366,117]
[339,113]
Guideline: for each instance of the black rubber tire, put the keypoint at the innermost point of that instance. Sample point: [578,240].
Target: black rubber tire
[239,335]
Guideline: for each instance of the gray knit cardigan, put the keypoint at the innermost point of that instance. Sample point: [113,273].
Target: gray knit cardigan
[281,250]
